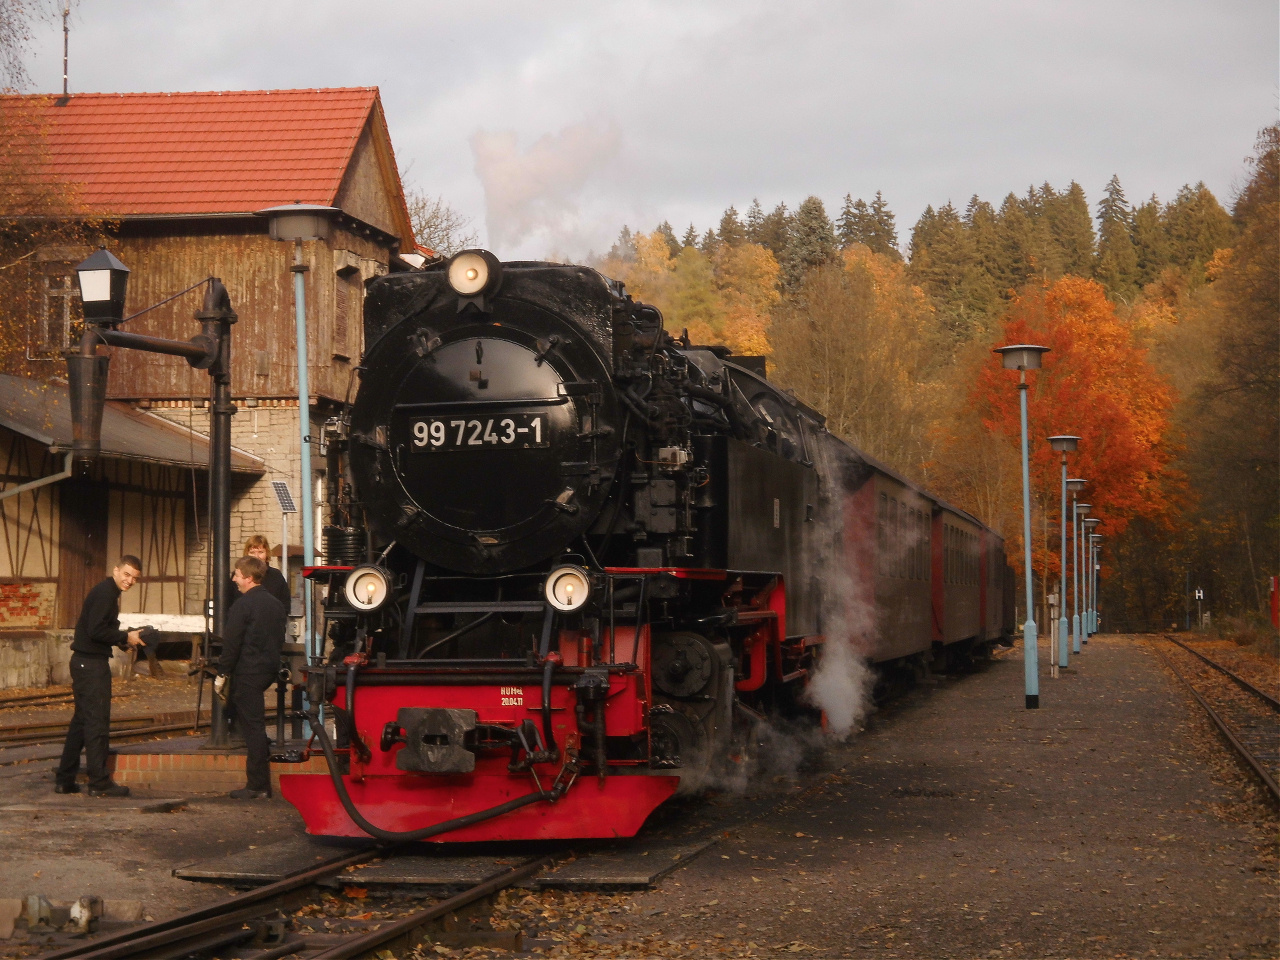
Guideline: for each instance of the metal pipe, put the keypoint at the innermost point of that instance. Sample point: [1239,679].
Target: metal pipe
[304,428]
[196,351]
[67,461]
[217,320]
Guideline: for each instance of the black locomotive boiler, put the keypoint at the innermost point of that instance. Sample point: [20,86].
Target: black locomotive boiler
[573,559]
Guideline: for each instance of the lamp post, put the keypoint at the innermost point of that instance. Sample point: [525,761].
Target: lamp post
[1096,543]
[298,222]
[103,280]
[1082,511]
[1075,485]
[1023,357]
[1064,444]
[1087,625]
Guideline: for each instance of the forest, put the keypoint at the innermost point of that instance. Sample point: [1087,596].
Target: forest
[1163,319]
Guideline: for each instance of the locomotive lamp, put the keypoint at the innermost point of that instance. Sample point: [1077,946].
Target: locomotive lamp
[1023,357]
[568,588]
[1075,485]
[1064,444]
[474,273]
[367,588]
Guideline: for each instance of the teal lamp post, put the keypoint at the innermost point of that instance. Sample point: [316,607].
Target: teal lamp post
[1023,357]
[1075,485]
[1064,444]
[295,223]
[1090,624]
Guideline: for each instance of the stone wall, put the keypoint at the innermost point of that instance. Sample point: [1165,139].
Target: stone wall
[35,660]
[268,429]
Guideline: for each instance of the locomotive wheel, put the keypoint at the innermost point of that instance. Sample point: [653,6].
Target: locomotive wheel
[684,664]
[676,741]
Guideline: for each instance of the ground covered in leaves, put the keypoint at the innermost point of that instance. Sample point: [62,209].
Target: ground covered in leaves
[1108,823]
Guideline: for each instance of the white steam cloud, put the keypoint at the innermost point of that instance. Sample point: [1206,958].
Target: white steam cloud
[530,195]
[841,686]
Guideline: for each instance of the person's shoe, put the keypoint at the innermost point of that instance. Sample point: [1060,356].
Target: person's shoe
[72,787]
[247,794]
[110,790]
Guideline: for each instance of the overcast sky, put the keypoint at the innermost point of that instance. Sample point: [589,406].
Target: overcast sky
[552,124]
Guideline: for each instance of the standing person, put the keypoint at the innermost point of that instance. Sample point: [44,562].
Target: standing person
[97,632]
[274,582]
[251,660]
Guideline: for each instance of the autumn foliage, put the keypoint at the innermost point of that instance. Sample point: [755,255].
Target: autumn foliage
[1097,383]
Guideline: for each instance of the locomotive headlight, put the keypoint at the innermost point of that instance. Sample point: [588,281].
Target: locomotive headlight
[367,588]
[474,272]
[568,588]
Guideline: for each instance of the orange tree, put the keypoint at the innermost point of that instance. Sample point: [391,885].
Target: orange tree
[1098,384]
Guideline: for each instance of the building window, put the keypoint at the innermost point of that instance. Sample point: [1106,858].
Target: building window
[347,304]
[59,305]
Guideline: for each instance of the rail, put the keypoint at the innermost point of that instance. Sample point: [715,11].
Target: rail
[1255,762]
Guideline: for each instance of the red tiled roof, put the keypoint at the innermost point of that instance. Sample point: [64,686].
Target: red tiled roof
[193,153]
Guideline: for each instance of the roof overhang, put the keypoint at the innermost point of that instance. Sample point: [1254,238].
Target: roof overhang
[41,410]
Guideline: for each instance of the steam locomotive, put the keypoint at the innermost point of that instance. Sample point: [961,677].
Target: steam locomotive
[574,561]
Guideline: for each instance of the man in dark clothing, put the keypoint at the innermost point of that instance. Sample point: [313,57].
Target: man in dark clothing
[251,659]
[97,633]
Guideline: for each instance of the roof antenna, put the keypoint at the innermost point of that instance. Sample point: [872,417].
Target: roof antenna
[66,38]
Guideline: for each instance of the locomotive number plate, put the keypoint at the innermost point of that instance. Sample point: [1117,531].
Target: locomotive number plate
[518,430]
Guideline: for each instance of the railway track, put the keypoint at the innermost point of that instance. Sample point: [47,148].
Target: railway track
[1248,718]
[281,920]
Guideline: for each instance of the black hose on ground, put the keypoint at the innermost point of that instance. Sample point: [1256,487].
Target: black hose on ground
[397,836]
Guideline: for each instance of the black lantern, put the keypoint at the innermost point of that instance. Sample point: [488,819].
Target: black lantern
[103,280]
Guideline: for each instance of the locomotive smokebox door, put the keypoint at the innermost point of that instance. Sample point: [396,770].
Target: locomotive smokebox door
[434,740]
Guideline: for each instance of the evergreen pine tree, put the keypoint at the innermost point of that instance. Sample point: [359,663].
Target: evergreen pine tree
[708,243]
[755,222]
[1195,226]
[774,232]
[846,224]
[1015,259]
[690,238]
[812,242]
[669,235]
[1072,229]
[1151,247]
[884,232]
[624,248]
[1117,264]
[732,231]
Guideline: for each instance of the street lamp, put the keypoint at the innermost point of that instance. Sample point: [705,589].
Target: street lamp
[1064,444]
[298,222]
[1095,543]
[103,280]
[1089,524]
[1082,511]
[1075,485]
[1023,357]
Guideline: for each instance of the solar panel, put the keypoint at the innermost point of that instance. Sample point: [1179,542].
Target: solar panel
[284,496]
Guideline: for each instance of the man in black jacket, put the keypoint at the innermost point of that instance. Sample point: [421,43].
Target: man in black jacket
[251,659]
[97,633]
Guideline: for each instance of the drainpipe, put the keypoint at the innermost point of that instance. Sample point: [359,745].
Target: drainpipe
[42,482]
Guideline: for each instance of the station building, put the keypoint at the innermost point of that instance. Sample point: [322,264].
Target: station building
[171,183]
